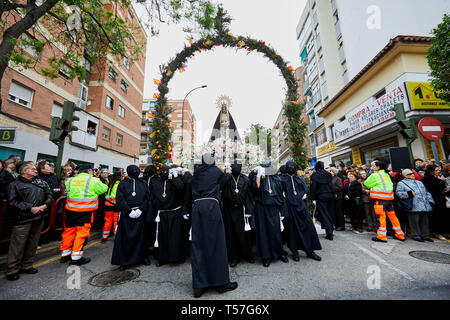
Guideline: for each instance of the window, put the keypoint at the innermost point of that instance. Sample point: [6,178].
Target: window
[20,94]
[25,44]
[91,127]
[180,105]
[126,62]
[65,71]
[179,115]
[86,64]
[119,139]
[121,111]
[179,125]
[124,85]
[57,110]
[82,96]
[321,136]
[106,134]
[112,73]
[109,102]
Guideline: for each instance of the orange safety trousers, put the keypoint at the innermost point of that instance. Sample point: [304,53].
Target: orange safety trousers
[381,232]
[74,240]
[111,218]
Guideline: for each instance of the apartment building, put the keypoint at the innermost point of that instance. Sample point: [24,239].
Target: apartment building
[187,131]
[110,98]
[337,38]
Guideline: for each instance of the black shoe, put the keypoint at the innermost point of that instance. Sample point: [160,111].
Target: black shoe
[418,239]
[13,277]
[234,263]
[64,259]
[329,237]
[228,287]
[402,240]
[182,260]
[313,256]
[378,240]
[29,271]
[340,229]
[428,240]
[123,268]
[104,240]
[284,259]
[250,260]
[81,261]
[160,263]
[147,261]
[198,292]
[295,256]
[266,263]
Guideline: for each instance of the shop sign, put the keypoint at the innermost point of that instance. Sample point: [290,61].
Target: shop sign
[7,135]
[327,148]
[356,155]
[423,97]
[370,114]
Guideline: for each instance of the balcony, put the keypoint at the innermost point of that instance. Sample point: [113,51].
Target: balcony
[321,66]
[84,138]
[315,20]
[341,54]
[313,74]
[309,105]
[314,124]
[338,30]
[318,43]
[312,3]
[316,98]
[306,86]
[333,6]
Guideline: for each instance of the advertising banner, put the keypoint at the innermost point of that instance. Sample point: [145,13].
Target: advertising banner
[423,97]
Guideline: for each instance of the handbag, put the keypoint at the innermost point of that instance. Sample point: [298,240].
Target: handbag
[406,204]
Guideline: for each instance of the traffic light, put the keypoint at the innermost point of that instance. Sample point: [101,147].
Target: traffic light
[62,126]
[407,126]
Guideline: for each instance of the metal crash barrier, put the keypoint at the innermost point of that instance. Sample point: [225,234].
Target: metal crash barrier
[55,220]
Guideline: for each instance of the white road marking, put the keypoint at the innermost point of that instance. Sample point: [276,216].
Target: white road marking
[379,259]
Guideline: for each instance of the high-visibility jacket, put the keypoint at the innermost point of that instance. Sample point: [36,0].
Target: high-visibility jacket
[83,191]
[110,197]
[380,185]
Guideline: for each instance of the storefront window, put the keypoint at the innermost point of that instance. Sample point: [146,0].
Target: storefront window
[378,151]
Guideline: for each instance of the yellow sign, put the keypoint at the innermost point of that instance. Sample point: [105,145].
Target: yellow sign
[356,155]
[429,150]
[327,148]
[422,96]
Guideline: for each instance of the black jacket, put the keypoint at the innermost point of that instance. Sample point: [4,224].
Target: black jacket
[52,182]
[321,184]
[25,194]
[5,179]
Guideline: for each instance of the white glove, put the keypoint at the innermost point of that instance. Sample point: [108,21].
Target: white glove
[248,215]
[305,196]
[132,213]
[261,172]
[314,202]
[186,216]
[174,172]
[135,213]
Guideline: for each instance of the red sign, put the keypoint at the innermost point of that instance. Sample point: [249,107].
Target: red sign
[431,128]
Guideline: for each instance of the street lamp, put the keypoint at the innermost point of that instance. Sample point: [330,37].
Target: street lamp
[182,117]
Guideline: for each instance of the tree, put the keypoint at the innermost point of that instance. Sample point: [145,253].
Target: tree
[439,59]
[86,30]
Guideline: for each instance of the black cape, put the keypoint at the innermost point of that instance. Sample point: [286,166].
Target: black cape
[168,210]
[234,204]
[269,207]
[322,192]
[300,231]
[208,244]
[129,248]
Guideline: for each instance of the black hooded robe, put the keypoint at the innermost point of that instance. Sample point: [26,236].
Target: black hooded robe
[322,192]
[269,206]
[129,244]
[187,212]
[208,245]
[234,204]
[168,247]
[300,231]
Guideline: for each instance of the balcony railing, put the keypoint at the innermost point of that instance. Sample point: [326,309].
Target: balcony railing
[318,43]
[338,30]
[315,123]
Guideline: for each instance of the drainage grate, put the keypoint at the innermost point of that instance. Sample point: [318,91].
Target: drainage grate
[113,277]
[431,256]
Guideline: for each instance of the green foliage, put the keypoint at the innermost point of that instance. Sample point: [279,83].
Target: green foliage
[439,59]
[222,37]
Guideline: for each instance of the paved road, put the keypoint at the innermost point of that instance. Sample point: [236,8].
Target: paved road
[348,270]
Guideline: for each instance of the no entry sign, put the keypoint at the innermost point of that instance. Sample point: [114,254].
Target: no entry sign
[431,128]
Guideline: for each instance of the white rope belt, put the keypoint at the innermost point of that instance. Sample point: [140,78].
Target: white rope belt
[157,219]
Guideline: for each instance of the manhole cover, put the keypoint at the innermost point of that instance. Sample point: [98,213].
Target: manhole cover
[113,277]
[431,256]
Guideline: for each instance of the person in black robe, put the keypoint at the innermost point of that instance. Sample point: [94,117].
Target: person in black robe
[268,212]
[132,198]
[150,224]
[300,231]
[237,209]
[323,197]
[208,244]
[186,176]
[167,196]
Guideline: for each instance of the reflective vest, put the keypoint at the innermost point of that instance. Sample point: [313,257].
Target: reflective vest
[380,185]
[83,191]
[110,199]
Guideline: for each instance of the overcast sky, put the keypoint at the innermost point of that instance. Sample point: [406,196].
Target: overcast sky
[253,82]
